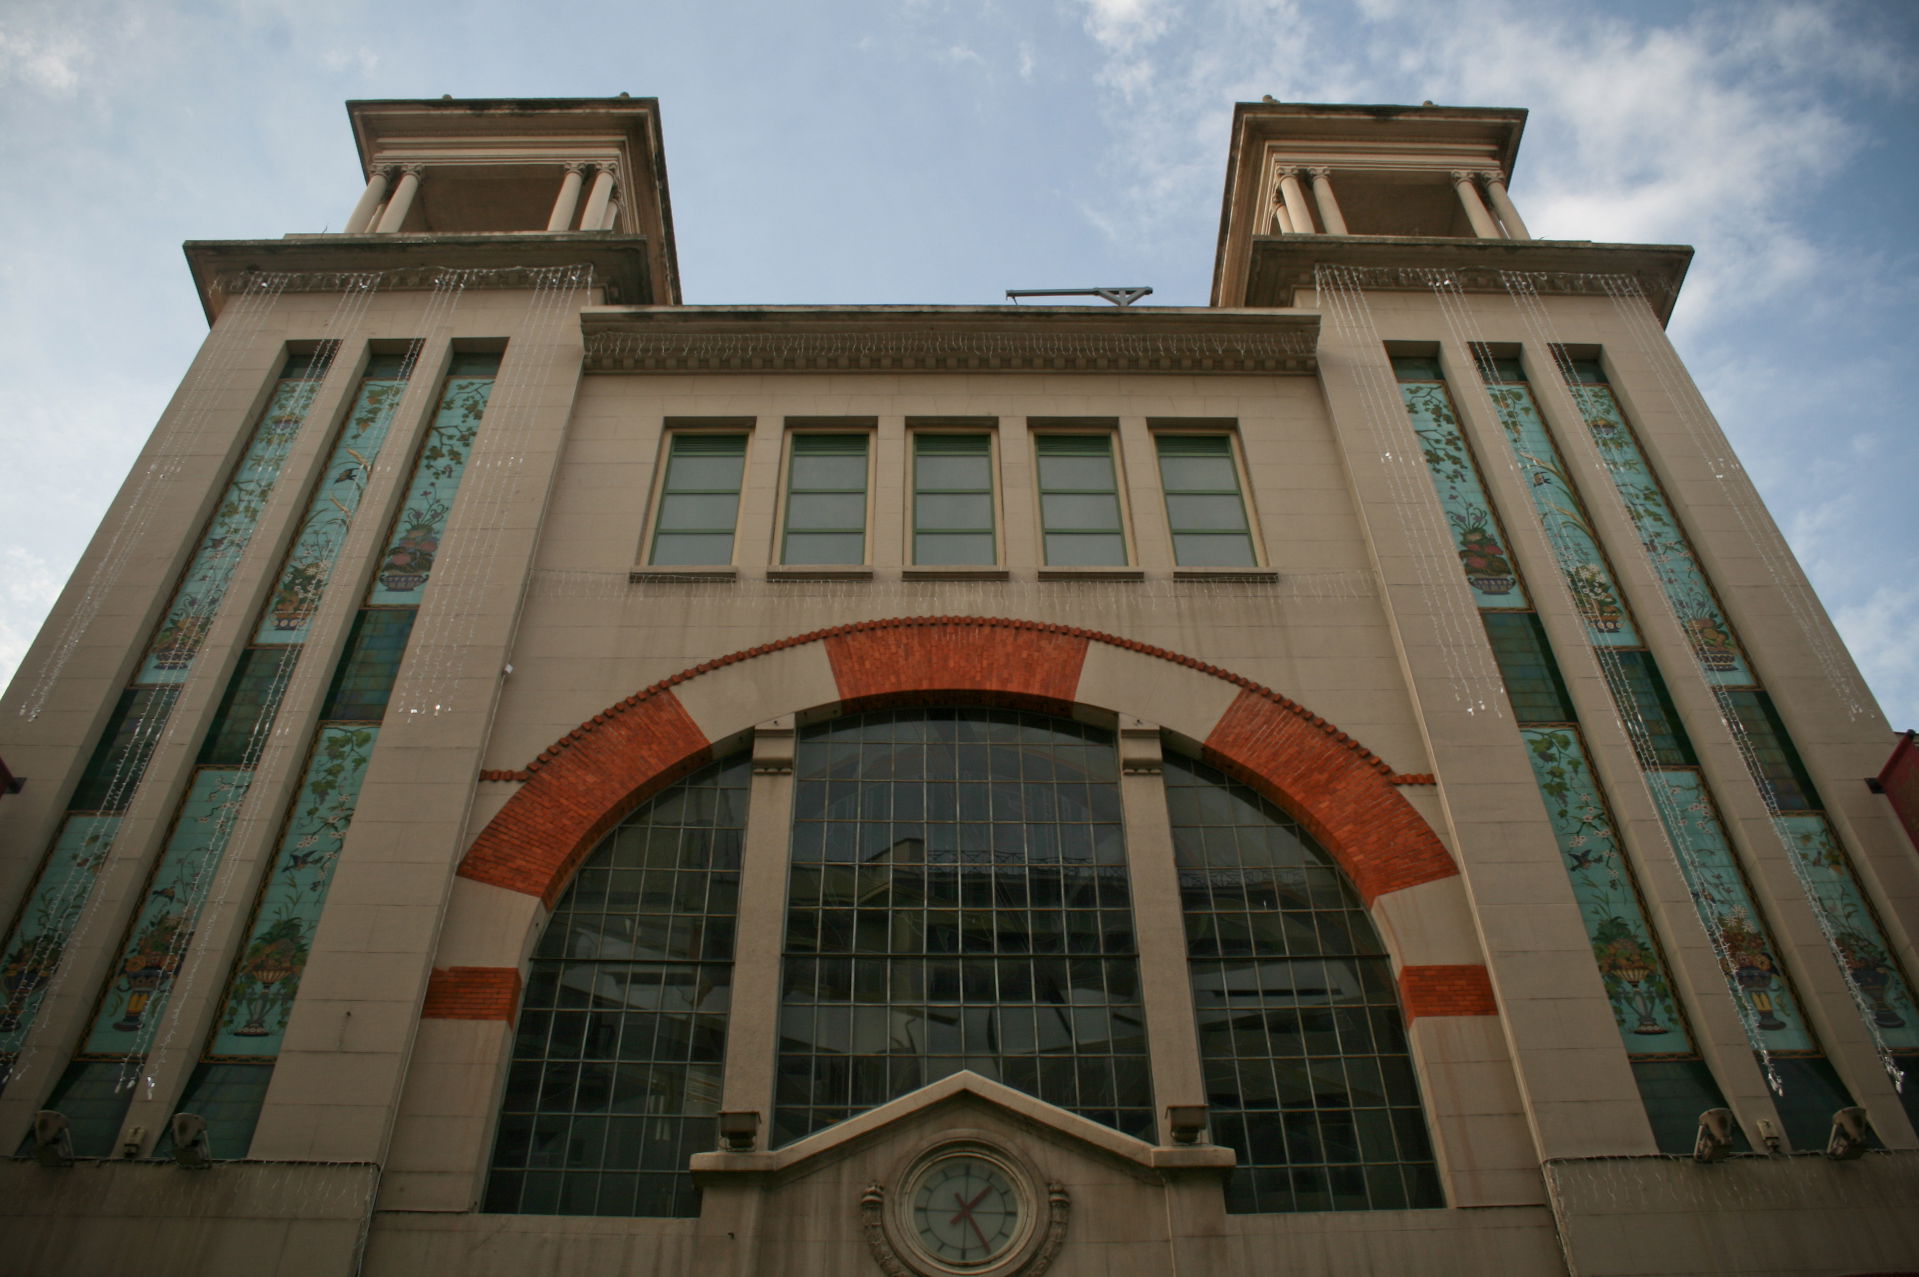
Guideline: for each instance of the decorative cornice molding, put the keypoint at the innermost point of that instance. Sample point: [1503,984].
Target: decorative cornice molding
[892,350]
[1281,264]
[402,279]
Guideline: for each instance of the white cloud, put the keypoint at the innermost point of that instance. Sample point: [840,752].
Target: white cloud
[1026,60]
[52,63]
[1124,25]
[1879,631]
[28,585]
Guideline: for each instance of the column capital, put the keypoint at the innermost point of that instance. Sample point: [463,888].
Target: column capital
[1320,170]
[1462,176]
[1492,175]
[575,166]
[413,170]
[1286,170]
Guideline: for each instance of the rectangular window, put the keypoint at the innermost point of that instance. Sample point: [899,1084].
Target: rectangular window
[953,499]
[1664,742]
[1204,507]
[700,500]
[1079,501]
[1533,685]
[825,500]
[1773,758]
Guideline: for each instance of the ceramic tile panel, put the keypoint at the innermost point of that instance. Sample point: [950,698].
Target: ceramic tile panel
[258,1000]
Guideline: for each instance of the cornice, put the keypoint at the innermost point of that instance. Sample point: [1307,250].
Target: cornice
[618,264]
[1280,264]
[947,339]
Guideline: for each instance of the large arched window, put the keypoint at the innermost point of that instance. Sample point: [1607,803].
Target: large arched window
[1307,1074]
[959,900]
[615,1080]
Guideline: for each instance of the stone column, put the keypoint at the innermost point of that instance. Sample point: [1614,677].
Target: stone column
[1282,220]
[1503,205]
[1296,201]
[361,218]
[1165,985]
[613,212]
[1329,215]
[1483,224]
[402,202]
[752,1033]
[594,219]
[568,202]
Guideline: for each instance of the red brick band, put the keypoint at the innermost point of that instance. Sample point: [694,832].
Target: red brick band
[1358,815]
[1030,669]
[1449,990]
[604,770]
[472,993]
[588,780]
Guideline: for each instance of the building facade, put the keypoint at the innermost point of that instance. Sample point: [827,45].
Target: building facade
[533,776]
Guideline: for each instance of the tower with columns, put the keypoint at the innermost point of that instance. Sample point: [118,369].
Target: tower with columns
[532,774]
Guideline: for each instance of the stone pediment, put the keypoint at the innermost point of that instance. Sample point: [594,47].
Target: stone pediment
[961,1102]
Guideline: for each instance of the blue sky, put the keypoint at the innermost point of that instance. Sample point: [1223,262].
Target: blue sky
[942,151]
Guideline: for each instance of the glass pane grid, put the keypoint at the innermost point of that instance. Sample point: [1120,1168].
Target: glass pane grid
[363,681]
[953,500]
[121,757]
[1526,664]
[1308,1075]
[959,900]
[700,499]
[1204,507]
[1079,500]
[826,500]
[615,1080]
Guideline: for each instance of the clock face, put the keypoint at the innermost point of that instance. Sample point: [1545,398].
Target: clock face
[965,1211]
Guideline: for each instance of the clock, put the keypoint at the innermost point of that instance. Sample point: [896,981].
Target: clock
[965,1207]
[965,1210]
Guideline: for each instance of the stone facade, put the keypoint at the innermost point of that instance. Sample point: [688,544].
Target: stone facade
[558,676]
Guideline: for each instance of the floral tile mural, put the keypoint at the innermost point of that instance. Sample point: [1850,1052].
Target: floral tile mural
[1477,536]
[1673,559]
[1857,939]
[195,601]
[309,564]
[1568,529]
[1629,961]
[1726,908]
[163,926]
[415,542]
[38,943]
[267,976]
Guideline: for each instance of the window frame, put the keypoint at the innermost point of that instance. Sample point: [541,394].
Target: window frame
[789,450]
[1038,432]
[997,515]
[670,436]
[1236,457]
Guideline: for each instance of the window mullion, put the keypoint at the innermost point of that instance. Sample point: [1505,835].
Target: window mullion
[752,1033]
[1159,925]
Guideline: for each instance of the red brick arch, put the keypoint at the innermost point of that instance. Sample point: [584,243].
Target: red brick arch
[590,779]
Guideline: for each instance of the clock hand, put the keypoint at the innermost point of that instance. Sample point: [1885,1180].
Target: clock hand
[966,1213]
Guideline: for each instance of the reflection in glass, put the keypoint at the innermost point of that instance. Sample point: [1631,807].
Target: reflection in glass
[616,1058]
[958,900]
[1307,1071]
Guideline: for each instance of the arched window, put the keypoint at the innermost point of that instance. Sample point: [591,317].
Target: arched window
[1308,1077]
[615,1080]
[959,900]
[959,897]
